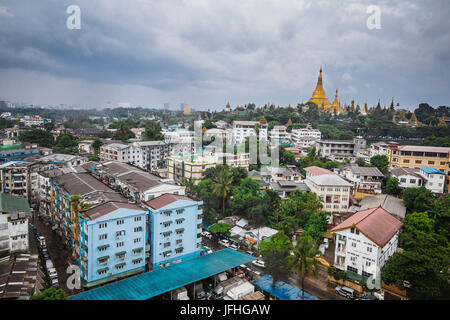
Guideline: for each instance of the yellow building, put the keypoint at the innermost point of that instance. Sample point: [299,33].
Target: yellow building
[420,156]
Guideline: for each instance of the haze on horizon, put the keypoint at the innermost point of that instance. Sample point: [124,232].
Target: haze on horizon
[205,53]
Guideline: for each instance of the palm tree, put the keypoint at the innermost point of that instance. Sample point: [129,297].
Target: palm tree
[222,185]
[304,259]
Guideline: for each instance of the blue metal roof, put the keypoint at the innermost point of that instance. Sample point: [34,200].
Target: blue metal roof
[431,170]
[152,284]
[281,290]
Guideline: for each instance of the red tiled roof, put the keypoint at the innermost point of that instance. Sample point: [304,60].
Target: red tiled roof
[166,199]
[377,224]
[108,207]
[317,171]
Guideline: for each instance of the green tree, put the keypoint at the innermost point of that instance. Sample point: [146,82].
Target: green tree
[424,261]
[304,259]
[245,196]
[381,162]
[418,199]
[41,137]
[222,186]
[97,144]
[276,254]
[361,162]
[393,187]
[220,228]
[316,225]
[50,294]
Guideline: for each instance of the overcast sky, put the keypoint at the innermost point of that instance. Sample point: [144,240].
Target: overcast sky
[208,52]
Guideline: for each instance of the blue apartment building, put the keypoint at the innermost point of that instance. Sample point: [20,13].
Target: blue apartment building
[112,242]
[175,226]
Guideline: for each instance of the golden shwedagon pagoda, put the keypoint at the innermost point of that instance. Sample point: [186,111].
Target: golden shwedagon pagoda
[320,99]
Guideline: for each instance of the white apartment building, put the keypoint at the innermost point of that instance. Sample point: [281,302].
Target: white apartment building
[180,141]
[29,121]
[365,241]
[408,177]
[305,137]
[331,188]
[193,166]
[14,213]
[244,129]
[379,148]
[148,155]
[434,179]
[280,133]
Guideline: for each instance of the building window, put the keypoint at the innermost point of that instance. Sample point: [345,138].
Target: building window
[352,269]
[102,225]
[119,222]
[138,229]
[102,236]
[136,219]
[137,240]
[354,244]
[120,244]
[369,249]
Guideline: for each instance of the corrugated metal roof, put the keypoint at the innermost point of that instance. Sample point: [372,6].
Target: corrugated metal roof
[151,284]
[281,290]
[10,203]
[431,170]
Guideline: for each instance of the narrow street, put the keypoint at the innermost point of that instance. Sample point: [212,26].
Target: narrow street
[59,254]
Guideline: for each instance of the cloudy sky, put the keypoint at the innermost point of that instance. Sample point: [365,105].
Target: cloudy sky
[208,52]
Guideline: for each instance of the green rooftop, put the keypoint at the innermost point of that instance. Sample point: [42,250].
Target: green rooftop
[9,203]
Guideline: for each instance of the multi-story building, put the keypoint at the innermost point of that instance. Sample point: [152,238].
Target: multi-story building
[365,241]
[434,179]
[408,177]
[175,229]
[244,129]
[182,167]
[305,137]
[279,133]
[378,148]
[18,178]
[334,191]
[365,180]
[14,214]
[36,120]
[419,156]
[225,135]
[112,242]
[86,147]
[338,150]
[148,155]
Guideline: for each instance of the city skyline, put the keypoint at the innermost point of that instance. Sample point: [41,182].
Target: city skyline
[206,54]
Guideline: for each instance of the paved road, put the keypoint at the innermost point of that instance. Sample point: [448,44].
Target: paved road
[319,293]
[59,255]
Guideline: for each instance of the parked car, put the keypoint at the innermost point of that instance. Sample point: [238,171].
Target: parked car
[207,234]
[52,274]
[250,252]
[55,283]
[234,246]
[259,263]
[345,291]
[225,243]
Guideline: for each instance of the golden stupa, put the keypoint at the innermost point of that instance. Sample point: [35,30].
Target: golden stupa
[319,97]
[186,110]
[336,106]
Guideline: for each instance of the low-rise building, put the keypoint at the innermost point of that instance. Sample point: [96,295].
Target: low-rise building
[405,156]
[365,180]
[86,147]
[365,241]
[193,166]
[286,188]
[338,150]
[57,160]
[434,179]
[378,148]
[407,177]
[334,191]
[244,129]
[14,214]
[18,178]
[391,204]
[175,224]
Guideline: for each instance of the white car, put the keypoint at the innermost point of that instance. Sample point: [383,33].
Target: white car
[52,273]
[259,263]
[234,246]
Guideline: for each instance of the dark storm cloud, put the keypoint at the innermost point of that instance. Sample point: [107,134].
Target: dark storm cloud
[207,52]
